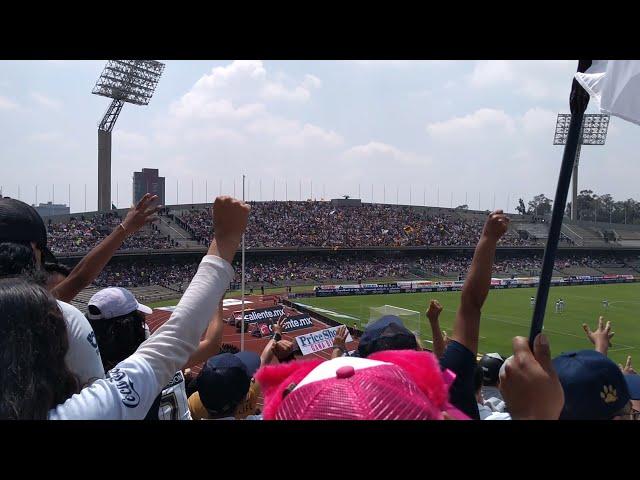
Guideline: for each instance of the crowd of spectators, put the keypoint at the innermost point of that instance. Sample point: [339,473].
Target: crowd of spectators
[300,268]
[80,234]
[319,224]
[59,364]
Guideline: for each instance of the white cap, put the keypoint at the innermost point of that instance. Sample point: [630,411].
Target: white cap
[115,302]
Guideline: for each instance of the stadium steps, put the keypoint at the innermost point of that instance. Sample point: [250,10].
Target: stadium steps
[169,227]
[147,294]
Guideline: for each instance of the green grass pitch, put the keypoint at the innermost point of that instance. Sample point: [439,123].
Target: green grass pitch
[507,313]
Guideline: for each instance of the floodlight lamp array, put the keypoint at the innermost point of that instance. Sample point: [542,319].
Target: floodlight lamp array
[131,81]
[594,129]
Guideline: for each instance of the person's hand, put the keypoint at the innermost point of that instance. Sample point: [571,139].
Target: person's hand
[496,225]
[433,313]
[283,349]
[340,338]
[144,212]
[628,368]
[529,383]
[230,218]
[601,337]
[278,327]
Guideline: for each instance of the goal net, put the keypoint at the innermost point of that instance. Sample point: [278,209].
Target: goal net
[410,318]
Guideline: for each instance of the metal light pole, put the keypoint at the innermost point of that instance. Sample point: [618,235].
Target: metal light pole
[124,81]
[593,131]
[242,322]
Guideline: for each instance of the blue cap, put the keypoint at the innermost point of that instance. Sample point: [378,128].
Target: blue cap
[633,384]
[594,387]
[225,380]
[386,333]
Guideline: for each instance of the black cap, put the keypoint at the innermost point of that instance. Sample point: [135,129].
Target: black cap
[225,380]
[490,364]
[386,333]
[20,223]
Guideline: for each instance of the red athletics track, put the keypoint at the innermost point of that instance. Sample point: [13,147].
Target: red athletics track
[158,317]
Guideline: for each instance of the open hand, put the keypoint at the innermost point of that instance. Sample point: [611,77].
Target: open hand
[144,212]
[340,338]
[628,368]
[601,337]
[279,325]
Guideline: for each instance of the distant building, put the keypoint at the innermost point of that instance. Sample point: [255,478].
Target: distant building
[148,181]
[50,209]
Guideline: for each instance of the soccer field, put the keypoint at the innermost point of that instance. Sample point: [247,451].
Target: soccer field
[507,313]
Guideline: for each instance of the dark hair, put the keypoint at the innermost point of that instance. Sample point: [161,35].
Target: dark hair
[34,377]
[57,268]
[16,258]
[477,379]
[399,341]
[117,337]
[228,348]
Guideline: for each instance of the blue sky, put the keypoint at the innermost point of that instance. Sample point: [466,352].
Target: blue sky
[459,128]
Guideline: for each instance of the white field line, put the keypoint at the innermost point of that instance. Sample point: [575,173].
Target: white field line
[498,319]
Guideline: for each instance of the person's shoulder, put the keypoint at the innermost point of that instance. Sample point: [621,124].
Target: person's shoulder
[74,317]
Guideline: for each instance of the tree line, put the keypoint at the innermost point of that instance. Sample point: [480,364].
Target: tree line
[590,207]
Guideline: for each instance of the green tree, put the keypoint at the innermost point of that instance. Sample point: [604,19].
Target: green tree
[540,205]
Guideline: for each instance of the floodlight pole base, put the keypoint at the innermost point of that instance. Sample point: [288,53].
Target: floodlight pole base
[574,182]
[104,171]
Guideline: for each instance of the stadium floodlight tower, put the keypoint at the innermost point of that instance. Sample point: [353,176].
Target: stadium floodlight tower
[125,81]
[593,132]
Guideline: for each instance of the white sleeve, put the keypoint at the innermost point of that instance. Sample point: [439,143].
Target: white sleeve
[126,394]
[169,348]
[83,356]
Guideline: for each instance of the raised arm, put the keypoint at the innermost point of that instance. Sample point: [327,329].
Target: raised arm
[92,264]
[210,344]
[133,385]
[433,314]
[466,327]
[268,352]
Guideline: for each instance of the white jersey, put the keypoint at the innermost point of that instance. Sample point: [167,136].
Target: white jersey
[130,389]
[83,356]
[174,404]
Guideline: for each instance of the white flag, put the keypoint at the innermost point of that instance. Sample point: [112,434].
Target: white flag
[615,86]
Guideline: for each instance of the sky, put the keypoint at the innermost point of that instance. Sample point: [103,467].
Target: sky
[413,132]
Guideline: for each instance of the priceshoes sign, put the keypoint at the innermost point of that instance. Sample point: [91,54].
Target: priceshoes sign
[318,341]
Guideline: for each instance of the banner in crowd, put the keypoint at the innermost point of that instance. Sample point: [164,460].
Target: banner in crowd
[318,341]
[270,315]
[451,286]
[263,315]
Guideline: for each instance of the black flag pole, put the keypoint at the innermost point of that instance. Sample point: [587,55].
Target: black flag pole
[578,101]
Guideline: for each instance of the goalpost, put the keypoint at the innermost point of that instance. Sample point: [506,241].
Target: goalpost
[410,318]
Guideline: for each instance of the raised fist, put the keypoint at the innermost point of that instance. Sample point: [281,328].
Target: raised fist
[496,225]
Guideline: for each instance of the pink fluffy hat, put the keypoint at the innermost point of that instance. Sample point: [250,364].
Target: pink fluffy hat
[389,385]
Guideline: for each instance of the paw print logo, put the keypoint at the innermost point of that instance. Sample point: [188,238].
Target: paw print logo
[609,394]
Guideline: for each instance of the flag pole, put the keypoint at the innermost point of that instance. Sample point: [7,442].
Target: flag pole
[242,321]
[578,101]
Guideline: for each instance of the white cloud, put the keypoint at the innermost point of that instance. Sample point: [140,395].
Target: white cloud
[302,92]
[490,73]
[543,79]
[45,137]
[130,140]
[479,122]
[7,104]
[383,153]
[46,101]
